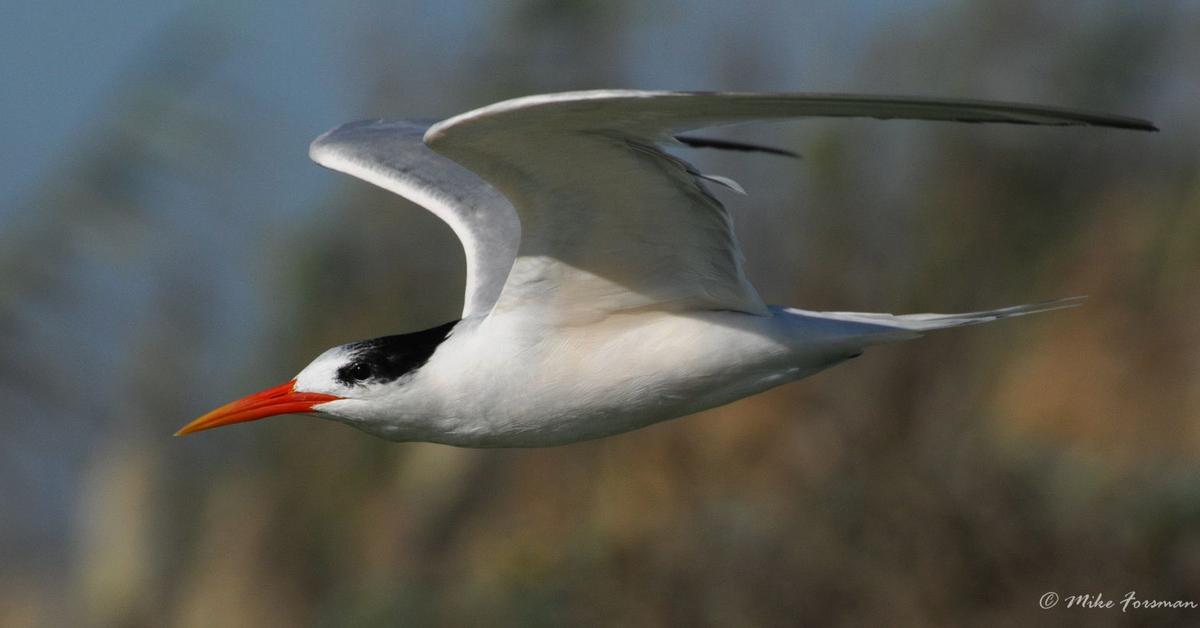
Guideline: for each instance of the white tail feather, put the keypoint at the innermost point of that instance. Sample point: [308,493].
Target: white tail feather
[868,328]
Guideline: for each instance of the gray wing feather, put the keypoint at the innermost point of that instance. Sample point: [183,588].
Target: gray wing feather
[657,114]
[612,223]
[390,154]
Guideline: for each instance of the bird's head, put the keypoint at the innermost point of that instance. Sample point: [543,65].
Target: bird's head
[360,383]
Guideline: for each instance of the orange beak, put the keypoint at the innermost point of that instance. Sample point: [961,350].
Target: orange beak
[282,399]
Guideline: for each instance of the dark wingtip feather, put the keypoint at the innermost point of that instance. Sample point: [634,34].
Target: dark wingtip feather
[708,142]
[1133,124]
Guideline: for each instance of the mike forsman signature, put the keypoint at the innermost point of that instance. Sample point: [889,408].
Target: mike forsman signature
[1131,601]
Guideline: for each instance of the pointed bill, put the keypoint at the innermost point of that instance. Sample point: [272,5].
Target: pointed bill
[282,399]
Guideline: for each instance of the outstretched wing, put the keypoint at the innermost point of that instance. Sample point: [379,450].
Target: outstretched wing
[390,154]
[611,223]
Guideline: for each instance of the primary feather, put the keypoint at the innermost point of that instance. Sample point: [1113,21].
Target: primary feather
[611,223]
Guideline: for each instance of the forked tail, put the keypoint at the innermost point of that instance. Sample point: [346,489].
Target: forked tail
[868,328]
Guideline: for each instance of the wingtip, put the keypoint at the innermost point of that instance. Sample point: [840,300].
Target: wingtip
[317,148]
[1125,122]
[314,147]
[327,135]
[1053,304]
[1137,124]
[355,133]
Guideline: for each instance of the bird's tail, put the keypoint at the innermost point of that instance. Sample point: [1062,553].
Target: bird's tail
[868,328]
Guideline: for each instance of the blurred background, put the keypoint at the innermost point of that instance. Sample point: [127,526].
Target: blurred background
[166,246]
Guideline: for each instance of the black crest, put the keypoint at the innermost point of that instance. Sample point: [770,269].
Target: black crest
[389,358]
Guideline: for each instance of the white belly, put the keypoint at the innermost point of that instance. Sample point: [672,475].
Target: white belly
[508,383]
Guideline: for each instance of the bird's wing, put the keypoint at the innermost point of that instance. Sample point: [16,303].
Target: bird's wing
[390,154]
[611,223]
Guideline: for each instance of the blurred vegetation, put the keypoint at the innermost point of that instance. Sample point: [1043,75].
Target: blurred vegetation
[948,481]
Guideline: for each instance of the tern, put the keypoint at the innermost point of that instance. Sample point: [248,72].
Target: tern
[605,288]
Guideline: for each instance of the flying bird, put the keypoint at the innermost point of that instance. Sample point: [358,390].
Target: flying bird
[605,288]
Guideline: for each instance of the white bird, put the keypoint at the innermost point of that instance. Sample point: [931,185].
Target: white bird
[605,289]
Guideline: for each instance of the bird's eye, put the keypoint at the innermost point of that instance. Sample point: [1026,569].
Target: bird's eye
[358,372]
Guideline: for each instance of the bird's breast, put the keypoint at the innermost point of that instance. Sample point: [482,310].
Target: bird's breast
[511,382]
